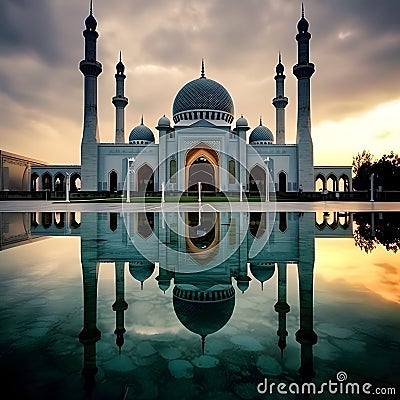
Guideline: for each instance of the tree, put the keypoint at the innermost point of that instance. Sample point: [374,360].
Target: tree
[377,228]
[386,171]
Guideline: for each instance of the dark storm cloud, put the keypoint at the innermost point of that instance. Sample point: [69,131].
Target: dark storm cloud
[28,27]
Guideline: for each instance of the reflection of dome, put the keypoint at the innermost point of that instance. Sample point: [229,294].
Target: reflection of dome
[141,133]
[262,271]
[204,312]
[203,94]
[261,134]
[141,270]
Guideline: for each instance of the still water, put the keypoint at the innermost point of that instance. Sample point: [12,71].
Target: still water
[198,306]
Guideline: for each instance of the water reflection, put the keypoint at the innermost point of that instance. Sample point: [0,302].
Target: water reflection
[373,229]
[205,261]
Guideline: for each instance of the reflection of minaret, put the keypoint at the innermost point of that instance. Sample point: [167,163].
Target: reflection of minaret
[306,335]
[282,307]
[89,334]
[120,304]
[90,269]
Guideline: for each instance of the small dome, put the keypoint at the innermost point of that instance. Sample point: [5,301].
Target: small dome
[302,25]
[141,132]
[120,67]
[261,134]
[91,23]
[164,121]
[241,122]
[280,68]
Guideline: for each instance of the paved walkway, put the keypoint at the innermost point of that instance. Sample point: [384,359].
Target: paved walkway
[60,206]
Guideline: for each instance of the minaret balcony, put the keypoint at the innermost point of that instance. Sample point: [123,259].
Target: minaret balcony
[302,71]
[280,102]
[120,101]
[90,68]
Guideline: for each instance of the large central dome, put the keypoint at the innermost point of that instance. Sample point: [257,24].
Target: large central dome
[203,98]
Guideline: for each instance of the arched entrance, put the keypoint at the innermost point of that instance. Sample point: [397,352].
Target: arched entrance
[145,180]
[257,180]
[34,182]
[113,181]
[75,182]
[59,182]
[47,181]
[282,182]
[202,166]
[320,183]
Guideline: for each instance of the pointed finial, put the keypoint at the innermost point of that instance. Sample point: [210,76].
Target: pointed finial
[120,56]
[262,286]
[91,7]
[203,74]
[302,10]
[280,58]
[203,344]
[141,120]
[260,120]
[141,283]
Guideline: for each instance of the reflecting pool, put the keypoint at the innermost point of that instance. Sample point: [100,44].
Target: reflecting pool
[202,305]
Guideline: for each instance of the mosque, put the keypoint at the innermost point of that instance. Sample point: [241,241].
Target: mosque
[203,145]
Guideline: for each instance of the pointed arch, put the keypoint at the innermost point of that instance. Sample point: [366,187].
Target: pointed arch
[202,165]
[113,181]
[257,180]
[145,179]
[47,181]
[282,181]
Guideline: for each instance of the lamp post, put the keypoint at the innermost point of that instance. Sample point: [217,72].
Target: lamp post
[199,186]
[372,186]
[68,187]
[267,180]
[128,184]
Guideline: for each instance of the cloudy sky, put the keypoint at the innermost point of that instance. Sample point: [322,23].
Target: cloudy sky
[355,46]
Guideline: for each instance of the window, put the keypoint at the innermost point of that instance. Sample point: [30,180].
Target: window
[172,171]
[232,172]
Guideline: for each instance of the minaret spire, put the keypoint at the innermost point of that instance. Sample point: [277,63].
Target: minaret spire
[302,10]
[120,101]
[203,74]
[280,102]
[91,7]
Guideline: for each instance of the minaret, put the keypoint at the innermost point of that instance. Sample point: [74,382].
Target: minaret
[91,69]
[120,305]
[280,102]
[303,71]
[120,102]
[282,307]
